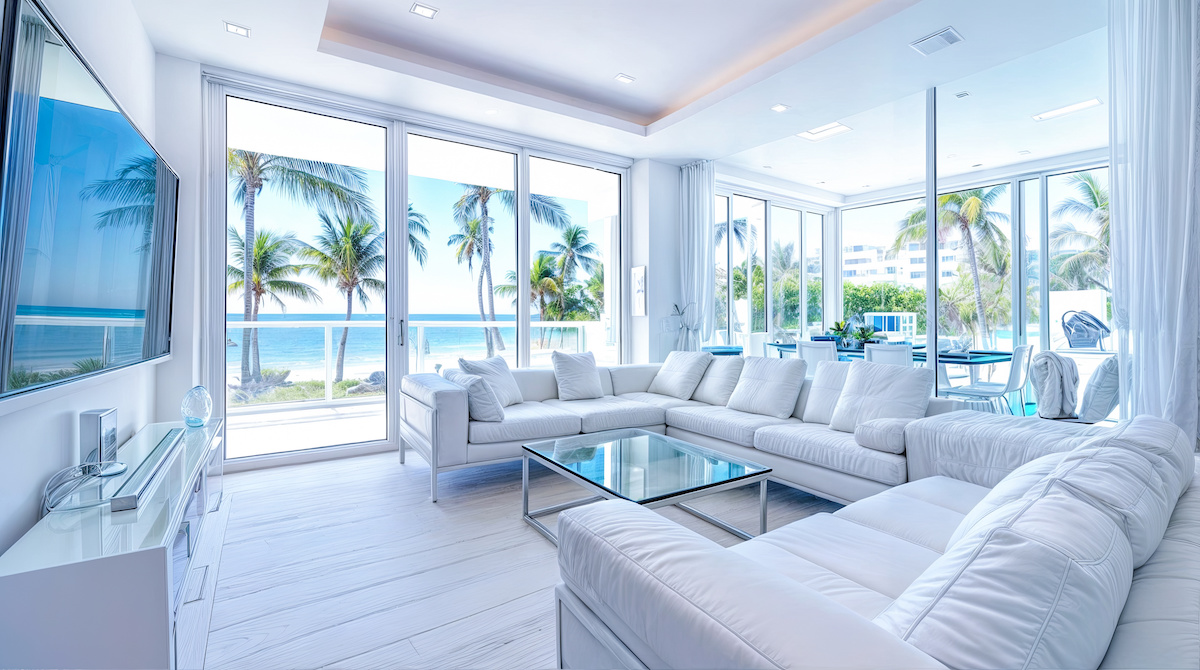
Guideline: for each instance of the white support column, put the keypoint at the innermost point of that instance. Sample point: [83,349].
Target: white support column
[931,238]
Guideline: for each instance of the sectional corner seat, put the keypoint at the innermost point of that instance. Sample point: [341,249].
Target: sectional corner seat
[808,456]
[1079,551]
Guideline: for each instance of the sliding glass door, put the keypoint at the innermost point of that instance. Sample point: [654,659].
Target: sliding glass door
[306,261]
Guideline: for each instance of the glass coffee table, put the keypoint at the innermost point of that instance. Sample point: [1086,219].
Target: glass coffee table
[647,468]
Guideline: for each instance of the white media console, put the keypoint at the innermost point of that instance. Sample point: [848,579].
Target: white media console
[96,588]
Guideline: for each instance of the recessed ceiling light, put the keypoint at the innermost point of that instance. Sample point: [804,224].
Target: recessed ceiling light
[937,41]
[962,94]
[766,167]
[624,78]
[241,31]
[1054,113]
[977,165]
[824,132]
[951,155]
[780,108]
[424,10]
[492,112]
[866,186]
[1024,152]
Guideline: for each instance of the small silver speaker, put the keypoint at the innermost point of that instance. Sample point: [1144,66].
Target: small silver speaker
[98,441]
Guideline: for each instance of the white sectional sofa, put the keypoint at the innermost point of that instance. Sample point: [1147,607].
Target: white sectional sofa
[806,455]
[1085,556]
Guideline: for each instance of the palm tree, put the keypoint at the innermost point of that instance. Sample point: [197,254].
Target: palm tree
[574,251]
[135,186]
[348,253]
[418,227]
[314,183]
[595,286]
[1085,252]
[545,286]
[473,204]
[971,214]
[468,244]
[738,231]
[273,278]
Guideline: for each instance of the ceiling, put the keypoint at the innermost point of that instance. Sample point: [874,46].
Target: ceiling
[706,74]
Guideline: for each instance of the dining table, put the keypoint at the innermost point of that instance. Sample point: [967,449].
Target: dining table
[972,358]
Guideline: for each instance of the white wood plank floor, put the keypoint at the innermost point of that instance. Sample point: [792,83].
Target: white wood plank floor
[346,564]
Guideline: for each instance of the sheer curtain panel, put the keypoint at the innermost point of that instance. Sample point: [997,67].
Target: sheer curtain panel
[1155,248]
[698,192]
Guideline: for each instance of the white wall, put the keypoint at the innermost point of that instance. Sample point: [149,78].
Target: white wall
[42,437]
[654,230]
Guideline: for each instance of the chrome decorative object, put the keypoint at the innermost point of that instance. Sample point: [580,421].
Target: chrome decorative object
[196,407]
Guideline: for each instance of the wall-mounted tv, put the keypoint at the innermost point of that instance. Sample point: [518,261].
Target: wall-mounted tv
[87,219]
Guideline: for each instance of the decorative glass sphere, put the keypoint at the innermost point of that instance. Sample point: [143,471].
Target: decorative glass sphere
[196,407]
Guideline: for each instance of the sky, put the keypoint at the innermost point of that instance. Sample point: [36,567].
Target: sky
[437,169]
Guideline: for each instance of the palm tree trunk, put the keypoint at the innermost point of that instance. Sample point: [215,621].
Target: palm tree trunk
[497,341]
[256,363]
[247,283]
[980,313]
[487,334]
[341,359]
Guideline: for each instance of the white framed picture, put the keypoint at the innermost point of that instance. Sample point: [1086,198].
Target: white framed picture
[637,279]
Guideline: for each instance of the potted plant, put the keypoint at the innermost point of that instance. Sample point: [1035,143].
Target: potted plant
[864,335]
[843,331]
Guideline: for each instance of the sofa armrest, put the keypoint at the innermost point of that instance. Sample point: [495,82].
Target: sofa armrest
[678,600]
[983,448]
[433,417]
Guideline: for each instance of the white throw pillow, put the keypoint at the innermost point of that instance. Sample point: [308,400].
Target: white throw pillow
[495,372]
[825,390]
[719,380]
[882,435]
[1103,392]
[881,391]
[578,378]
[482,403]
[768,386]
[681,373]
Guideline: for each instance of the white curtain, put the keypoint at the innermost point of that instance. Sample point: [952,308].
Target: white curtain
[697,196]
[156,339]
[1155,244]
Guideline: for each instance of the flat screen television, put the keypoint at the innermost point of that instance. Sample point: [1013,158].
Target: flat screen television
[87,218]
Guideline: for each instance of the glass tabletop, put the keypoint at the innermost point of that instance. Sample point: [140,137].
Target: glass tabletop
[641,466]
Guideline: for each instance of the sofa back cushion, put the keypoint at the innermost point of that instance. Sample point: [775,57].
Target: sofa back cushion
[577,375]
[681,373]
[719,380]
[631,378]
[768,386]
[1103,392]
[1013,487]
[825,390]
[495,372]
[536,384]
[881,391]
[1039,583]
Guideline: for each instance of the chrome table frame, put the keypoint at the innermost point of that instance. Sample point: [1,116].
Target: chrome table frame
[601,493]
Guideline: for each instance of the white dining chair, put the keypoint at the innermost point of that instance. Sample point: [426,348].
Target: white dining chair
[815,352]
[889,354]
[1018,374]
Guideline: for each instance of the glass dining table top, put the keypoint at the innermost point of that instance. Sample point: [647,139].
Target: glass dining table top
[641,466]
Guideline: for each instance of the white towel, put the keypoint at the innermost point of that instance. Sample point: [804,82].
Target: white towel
[1056,382]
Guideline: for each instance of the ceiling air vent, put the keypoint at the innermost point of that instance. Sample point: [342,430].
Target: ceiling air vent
[937,41]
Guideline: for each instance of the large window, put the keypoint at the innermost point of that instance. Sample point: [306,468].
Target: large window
[883,269]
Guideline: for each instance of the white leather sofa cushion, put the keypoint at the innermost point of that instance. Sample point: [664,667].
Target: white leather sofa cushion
[610,413]
[1039,584]
[536,383]
[663,401]
[859,599]
[1171,453]
[526,421]
[878,561]
[482,404]
[681,601]
[632,378]
[881,391]
[722,423]
[820,445]
[681,373]
[925,512]
[1011,488]
[826,388]
[1102,393]
[495,372]
[1123,484]
[768,386]
[719,380]
[577,375]
[882,435]
[1160,625]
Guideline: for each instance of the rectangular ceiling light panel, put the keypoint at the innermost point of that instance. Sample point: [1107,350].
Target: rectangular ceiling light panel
[236,29]
[937,41]
[1063,111]
[424,10]
[824,132]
